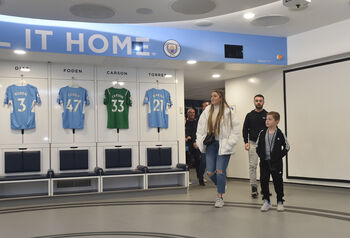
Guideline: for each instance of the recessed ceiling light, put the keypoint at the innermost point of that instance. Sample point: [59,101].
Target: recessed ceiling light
[168,76]
[268,21]
[248,15]
[193,7]
[144,11]
[216,75]
[252,80]
[20,52]
[204,23]
[25,69]
[191,62]
[91,11]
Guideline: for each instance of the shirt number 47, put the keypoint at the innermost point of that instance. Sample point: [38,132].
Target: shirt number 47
[69,105]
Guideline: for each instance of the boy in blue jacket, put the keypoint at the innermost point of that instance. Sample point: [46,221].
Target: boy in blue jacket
[272,146]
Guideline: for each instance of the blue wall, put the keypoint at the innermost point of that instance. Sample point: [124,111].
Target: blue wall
[120,39]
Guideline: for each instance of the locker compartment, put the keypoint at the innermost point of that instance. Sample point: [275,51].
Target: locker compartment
[31,161]
[13,162]
[22,161]
[73,159]
[158,156]
[153,158]
[118,158]
[165,156]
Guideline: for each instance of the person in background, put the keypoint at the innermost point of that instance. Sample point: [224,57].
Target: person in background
[272,146]
[193,152]
[254,122]
[204,105]
[202,159]
[219,120]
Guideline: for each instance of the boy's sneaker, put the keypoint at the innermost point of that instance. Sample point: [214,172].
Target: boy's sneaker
[219,202]
[280,207]
[266,206]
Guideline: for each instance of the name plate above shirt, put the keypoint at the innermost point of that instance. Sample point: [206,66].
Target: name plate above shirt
[157,75]
[111,73]
[72,71]
[28,70]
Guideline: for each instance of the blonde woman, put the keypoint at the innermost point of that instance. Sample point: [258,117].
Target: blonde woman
[218,119]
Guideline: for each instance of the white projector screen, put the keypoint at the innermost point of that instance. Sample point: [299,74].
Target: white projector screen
[317,101]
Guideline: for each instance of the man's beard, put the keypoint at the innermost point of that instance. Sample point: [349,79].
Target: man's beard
[259,107]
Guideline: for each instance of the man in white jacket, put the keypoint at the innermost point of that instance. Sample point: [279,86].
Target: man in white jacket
[219,120]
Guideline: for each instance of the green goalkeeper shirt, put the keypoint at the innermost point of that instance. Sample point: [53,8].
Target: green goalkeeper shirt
[118,102]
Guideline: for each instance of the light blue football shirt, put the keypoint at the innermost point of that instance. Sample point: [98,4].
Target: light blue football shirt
[22,99]
[158,101]
[74,101]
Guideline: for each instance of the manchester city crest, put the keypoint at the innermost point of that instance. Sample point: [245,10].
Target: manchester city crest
[172,48]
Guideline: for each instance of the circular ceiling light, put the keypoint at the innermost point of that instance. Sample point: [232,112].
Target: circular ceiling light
[19,52]
[25,69]
[270,21]
[193,7]
[191,62]
[216,76]
[204,23]
[92,11]
[248,15]
[144,11]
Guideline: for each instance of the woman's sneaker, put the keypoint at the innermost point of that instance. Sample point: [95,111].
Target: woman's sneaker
[280,207]
[219,202]
[266,206]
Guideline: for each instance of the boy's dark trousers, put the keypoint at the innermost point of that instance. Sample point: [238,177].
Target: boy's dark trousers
[277,178]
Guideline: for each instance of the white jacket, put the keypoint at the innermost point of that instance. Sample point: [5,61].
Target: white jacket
[228,136]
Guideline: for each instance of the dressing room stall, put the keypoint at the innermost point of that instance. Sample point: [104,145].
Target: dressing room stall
[73,148]
[118,151]
[159,145]
[24,143]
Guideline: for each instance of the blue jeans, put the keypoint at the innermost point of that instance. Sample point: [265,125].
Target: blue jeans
[217,162]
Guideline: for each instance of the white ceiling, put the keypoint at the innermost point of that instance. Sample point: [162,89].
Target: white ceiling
[126,10]
[226,16]
[319,13]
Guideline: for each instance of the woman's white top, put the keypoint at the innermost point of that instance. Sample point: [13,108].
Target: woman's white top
[228,136]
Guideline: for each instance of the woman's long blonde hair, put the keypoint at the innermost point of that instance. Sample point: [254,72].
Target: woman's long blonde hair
[223,104]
